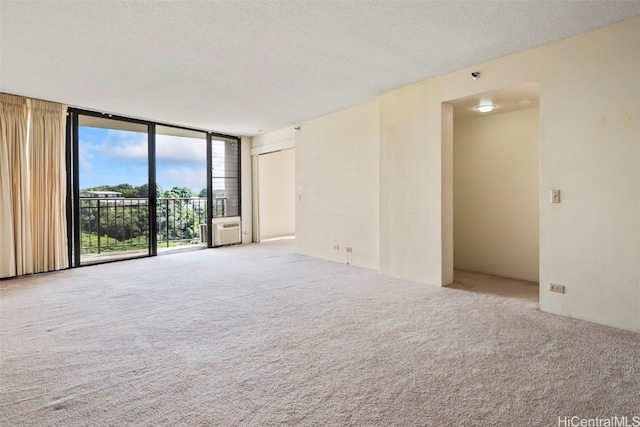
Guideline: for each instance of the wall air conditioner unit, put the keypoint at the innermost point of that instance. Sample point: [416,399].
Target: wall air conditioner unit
[226,233]
[203,233]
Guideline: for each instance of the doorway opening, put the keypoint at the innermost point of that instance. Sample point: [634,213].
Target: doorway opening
[496,192]
[276,195]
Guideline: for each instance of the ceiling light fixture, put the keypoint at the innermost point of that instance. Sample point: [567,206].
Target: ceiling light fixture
[525,101]
[485,108]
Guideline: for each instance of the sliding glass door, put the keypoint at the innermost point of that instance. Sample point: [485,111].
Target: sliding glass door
[139,188]
[181,187]
[112,179]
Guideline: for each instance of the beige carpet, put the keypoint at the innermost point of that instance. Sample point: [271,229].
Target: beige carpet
[255,335]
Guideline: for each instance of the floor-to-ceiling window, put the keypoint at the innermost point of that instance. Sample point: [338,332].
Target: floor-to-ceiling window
[139,188]
[225,190]
[113,189]
[181,187]
[225,154]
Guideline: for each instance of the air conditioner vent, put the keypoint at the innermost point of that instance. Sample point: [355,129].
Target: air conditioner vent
[226,234]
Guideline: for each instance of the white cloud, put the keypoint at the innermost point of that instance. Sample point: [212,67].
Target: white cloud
[169,149]
[180,149]
[85,154]
[180,161]
[125,145]
[195,179]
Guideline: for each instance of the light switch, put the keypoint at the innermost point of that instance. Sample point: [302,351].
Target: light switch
[555,196]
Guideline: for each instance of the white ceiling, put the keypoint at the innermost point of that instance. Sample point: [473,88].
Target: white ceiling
[239,66]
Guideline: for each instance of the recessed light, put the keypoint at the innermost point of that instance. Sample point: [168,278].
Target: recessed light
[485,108]
[524,101]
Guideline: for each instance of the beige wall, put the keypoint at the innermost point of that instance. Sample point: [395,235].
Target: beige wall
[246,190]
[276,194]
[590,125]
[411,183]
[495,194]
[589,148]
[337,186]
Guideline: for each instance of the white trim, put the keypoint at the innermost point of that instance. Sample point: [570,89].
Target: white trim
[277,146]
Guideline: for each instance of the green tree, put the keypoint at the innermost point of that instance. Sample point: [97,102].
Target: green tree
[179,193]
[180,214]
[143,190]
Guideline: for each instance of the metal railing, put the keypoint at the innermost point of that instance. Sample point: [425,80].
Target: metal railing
[179,220]
[110,224]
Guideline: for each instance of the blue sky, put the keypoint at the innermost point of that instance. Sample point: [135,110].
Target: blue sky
[111,157]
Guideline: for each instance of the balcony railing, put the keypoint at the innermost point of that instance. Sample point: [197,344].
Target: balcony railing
[122,224]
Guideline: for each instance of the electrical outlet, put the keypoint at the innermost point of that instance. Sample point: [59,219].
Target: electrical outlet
[349,249]
[554,287]
[336,247]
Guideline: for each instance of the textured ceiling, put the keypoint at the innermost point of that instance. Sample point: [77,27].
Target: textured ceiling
[236,67]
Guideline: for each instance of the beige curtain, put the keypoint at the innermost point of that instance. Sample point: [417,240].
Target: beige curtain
[48,190]
[33,186]
[15,240]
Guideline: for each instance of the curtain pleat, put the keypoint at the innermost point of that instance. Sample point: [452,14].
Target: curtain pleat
[15,240]
[8,122]
[48,189]
[7,243]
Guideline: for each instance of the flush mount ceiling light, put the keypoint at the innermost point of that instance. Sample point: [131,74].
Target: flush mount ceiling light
[485,108]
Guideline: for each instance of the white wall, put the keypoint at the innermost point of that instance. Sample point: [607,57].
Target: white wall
[410,183]
[337,186]
[589,148]
[446,140]
[495,194]
[590,117]
[276,194]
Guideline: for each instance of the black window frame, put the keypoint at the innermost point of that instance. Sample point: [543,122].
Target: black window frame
[73,183]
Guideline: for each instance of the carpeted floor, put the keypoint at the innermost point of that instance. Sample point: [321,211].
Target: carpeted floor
[255,335]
